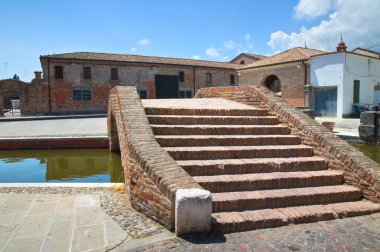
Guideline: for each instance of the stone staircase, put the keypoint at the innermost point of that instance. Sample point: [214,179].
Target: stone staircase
[259,174]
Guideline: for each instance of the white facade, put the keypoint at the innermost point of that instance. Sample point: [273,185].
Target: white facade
[341,70]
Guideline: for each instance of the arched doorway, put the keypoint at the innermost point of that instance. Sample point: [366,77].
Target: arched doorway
[273,83]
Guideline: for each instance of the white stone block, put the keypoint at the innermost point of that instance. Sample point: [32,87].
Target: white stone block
[193,208]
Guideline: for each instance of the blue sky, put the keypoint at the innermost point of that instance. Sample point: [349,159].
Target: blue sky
[202,29]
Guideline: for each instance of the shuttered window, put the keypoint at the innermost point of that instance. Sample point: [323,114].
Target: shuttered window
[356,91]
[58,72]
[114,74]
[86,73]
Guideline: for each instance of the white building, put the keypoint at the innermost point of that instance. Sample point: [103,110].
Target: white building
[343,79]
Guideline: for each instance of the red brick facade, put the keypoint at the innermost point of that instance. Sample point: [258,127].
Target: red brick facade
[142,75]
[291,76]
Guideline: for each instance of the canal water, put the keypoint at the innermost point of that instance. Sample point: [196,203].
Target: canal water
[371,151]
[70,166]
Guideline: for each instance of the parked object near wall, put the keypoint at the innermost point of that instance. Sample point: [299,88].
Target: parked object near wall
[369,129]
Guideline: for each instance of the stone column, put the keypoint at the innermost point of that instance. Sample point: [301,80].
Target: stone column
[308,95]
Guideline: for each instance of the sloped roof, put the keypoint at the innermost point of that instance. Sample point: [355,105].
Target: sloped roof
[139,59]
[251,55]
[291,55]
[366,50]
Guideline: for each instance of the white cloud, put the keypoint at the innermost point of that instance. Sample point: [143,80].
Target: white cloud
[230,44]
[248,37]
[213,52]
[133,50]
[145,41]
[356,20]
[196,57]
[310,9]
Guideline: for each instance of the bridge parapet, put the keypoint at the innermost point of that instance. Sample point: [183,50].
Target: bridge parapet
[151,176]
[359,170]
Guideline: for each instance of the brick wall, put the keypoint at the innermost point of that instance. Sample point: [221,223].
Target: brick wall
[138,74]
[151,176]
[291,77]
[359,170]
[30,94]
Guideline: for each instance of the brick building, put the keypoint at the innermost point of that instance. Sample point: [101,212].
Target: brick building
[80,82]
[284,73]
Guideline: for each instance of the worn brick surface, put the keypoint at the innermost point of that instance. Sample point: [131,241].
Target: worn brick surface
[151,175]
[223,140]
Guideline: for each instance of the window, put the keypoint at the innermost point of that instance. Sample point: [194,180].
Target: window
[185,94]
[81,95]
[208,78]
[232,79]
[356,91]
[114,74]
[242,62]
[86,95]
[181,76]
[59,72]
[143,93]
[77,95]
[86,73]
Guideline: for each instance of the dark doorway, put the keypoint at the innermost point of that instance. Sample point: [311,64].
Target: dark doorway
[325,101]
[166,86]
[11,105]
[273,83]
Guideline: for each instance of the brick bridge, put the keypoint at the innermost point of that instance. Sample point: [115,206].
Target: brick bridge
[247,161]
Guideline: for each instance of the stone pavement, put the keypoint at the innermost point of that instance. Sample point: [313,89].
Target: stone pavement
[55,128]
[347,127]
[56,222]
[351,234]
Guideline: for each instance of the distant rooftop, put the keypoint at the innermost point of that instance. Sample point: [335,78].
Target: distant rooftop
[139,59]
[291,55]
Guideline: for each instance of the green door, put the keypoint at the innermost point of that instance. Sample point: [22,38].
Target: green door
[356,91]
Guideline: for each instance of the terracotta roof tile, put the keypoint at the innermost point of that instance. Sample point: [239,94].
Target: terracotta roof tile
[140,59]
[291,55]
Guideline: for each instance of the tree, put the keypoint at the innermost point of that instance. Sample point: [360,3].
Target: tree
[16,77]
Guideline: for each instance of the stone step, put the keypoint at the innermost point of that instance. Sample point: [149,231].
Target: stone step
[219,120]
[254,165]
[263,181]
[228,152]
[253,200]
[204,111]
[227,222]
[220,129]
[226,140]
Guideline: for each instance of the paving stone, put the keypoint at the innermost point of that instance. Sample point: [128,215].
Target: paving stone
[87,200]
[4,237]
[11,218]
[17,203]
[88,237]
[33,226]
[30,244]
[45,208]
[58,237]
[88,216]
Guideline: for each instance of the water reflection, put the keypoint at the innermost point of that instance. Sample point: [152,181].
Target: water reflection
[81,165]
[371,151]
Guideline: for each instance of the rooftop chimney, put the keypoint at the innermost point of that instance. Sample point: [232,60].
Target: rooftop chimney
[37,75]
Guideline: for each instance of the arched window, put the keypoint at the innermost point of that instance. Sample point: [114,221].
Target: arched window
[242,62]
[273,83]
